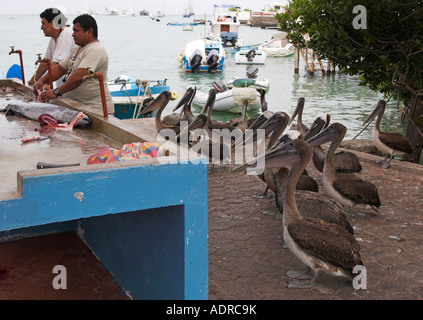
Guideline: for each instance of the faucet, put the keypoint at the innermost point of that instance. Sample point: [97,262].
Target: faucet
[90,74]
[48,61]
[12,50]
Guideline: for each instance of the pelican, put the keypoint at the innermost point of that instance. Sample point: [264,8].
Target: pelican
[344,161]
[243,125]
[160,103]
[300,126]
[270,177]
[186,101]
[215,150]
[174,119]
[346,189]
[389,143]
[320,245]
[253,126]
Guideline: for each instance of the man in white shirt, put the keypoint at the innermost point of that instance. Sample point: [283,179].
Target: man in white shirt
[61,43]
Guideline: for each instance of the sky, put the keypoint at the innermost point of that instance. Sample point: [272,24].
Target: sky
[170,6]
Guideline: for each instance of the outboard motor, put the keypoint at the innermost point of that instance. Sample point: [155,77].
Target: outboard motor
[196,59]
[251,54]
[219,85]
[252,72]
[213,60]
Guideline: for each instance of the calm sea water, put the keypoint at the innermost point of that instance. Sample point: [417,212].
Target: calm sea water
[148,50]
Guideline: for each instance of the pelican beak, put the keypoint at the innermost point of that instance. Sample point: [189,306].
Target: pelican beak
[300,106]
[380,106]
[323,137]
[254,126]
[189,94]
[280,150]
[315,128]
[161,100]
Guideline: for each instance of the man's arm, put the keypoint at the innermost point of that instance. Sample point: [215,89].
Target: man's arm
[73,82]
[56,72]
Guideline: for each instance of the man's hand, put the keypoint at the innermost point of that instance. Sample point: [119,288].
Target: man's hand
[48,95]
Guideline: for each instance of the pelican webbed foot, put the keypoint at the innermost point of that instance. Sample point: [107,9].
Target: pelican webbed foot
[303,280]
[261,196]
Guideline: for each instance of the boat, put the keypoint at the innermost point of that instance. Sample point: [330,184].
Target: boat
[230,97]
[187,28]
[225,26]
[204,55]
[111,12]
[129,94]
[183,24]
[188,11]
[277,46]
[144,13]
[251,56]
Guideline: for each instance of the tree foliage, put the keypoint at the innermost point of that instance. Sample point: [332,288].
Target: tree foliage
[387,54]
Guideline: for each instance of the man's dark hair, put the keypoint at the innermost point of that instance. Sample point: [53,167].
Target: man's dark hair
[86,22]
[49,14]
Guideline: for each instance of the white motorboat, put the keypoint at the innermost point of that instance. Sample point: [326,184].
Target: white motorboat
[225,26]
[204,55]
[231,100]
[278,46]
[250,57]
[231,97]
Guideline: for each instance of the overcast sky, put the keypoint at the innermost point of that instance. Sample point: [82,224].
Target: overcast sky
[170,6]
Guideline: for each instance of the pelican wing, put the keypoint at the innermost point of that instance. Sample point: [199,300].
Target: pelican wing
[396,141]
[359,191]
[328,242]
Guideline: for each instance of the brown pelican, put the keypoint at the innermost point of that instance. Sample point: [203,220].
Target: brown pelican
[346,189]
[344,161]
[243,125]
[310,202]
[389,143]
[174,119]
[320,245]
[300,126]
[160,103]
[186,102]
[216,151]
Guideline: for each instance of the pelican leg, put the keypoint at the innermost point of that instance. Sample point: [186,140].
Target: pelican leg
[261,196]
[303,280]
[386,164]
[380,161]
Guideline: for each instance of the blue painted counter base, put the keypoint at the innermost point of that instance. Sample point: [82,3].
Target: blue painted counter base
[147,223]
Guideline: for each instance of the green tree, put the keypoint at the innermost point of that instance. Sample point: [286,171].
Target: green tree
[379,40]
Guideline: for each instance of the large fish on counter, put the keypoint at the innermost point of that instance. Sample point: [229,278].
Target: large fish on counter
[32,110]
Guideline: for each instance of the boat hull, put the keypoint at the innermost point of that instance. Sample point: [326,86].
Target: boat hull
[241,57]
[227,102]
[126,95]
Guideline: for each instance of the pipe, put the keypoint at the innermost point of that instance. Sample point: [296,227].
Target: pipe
[48,61]
[21,60]
[99,76]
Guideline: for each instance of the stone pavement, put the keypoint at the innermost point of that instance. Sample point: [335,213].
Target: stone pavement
[248,259]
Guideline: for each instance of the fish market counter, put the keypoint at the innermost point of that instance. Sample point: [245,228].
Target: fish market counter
[145,220]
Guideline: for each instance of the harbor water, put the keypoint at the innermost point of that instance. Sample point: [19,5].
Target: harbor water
[148,50]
